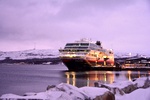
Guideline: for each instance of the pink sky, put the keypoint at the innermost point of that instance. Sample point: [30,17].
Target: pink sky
[122,25]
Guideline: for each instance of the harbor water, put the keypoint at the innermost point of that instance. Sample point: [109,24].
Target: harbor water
[20,79]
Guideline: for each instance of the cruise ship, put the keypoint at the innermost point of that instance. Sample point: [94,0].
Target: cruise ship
[86,55]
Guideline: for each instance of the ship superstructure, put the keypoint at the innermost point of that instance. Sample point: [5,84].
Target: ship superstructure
[86,55]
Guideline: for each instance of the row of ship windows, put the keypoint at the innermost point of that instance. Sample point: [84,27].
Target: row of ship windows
[92,48]
[76,47]
[69,50]
[77,44]
[95,55]
[82,45]
[80,50]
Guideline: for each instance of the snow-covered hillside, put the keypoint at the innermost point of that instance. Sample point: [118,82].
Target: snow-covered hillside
[48,53]
[29,54]
[126,55]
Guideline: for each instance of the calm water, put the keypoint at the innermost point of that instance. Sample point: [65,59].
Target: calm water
[20,79]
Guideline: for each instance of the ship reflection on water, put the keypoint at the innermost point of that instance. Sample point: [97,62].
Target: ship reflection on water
[131,75]
[88,78]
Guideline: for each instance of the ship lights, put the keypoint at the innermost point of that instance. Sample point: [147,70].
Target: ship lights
[129,73]
[71,55]
[104,57]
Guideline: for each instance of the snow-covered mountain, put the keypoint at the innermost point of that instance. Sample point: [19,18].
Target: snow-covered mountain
[29,54]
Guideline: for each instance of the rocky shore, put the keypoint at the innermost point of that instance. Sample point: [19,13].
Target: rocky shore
[137,89]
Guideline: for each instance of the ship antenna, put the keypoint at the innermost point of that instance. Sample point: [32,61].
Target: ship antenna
[34,46]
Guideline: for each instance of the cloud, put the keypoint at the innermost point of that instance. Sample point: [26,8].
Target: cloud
[119,24]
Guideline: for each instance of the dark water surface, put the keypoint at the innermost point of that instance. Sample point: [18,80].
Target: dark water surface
[20,79]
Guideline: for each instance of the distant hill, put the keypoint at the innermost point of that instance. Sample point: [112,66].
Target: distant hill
[29,54]
[128,55]
[32,56]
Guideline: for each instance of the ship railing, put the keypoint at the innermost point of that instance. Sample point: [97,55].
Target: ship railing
[77,53]
[73,54]
[74,50]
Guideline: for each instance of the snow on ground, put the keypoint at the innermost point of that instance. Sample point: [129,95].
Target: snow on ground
[65,91]
[139,94]
[41,95]
[92,92]
[29,54]
[140,81]
[120,84]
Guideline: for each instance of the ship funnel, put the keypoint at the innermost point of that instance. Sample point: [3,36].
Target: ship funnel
[98,43]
